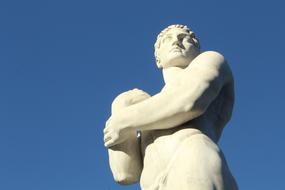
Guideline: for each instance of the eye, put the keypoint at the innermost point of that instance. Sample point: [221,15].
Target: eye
[188,39]
[166,39]
[181,37]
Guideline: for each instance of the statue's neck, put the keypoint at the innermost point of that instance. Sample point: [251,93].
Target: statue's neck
[170,74]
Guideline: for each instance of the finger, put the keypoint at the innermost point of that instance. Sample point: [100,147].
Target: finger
[109,143]
[112,141]
[108,121]
[105,130]
[107,138]
[107,135]
[106,125]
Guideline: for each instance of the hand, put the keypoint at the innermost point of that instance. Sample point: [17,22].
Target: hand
[115,133]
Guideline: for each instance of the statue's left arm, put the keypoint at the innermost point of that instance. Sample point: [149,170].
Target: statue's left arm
[199,85]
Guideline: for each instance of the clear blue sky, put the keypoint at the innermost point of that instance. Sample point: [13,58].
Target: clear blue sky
[62,63]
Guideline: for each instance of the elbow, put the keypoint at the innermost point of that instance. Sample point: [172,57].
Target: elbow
[197,105]
[199,102]
[195,109]
[126,178]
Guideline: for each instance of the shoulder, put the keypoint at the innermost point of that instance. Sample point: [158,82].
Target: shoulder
[212,54]
[209,59]
[212,62]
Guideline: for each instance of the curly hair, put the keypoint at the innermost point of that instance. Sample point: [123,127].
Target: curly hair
[163,32]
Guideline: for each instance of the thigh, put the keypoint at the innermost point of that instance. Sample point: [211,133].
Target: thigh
[199,164]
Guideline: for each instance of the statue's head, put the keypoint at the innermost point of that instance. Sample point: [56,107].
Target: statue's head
[176,45]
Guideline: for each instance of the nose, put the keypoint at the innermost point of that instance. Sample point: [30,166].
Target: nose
[177,41]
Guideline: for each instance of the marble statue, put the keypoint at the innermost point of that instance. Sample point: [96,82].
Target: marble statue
[169,141]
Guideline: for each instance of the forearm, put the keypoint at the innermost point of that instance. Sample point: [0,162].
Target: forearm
[199,86]
[167,109]
[125,161]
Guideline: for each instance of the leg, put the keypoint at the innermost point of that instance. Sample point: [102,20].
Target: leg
[199,165]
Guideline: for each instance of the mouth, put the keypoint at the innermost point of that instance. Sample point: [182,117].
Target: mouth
[176,49]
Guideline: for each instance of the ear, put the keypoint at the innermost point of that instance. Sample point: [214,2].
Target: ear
[157,60]
[158,63]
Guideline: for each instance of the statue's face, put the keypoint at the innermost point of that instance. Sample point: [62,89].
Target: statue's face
[177,49]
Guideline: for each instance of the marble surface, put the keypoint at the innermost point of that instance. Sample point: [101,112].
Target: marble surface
[170,140]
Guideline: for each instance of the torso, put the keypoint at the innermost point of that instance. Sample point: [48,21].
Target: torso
[159,146]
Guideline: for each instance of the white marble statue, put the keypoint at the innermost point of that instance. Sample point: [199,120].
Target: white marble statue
[169,141]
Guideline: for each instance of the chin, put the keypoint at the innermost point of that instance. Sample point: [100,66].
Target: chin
[179,61]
